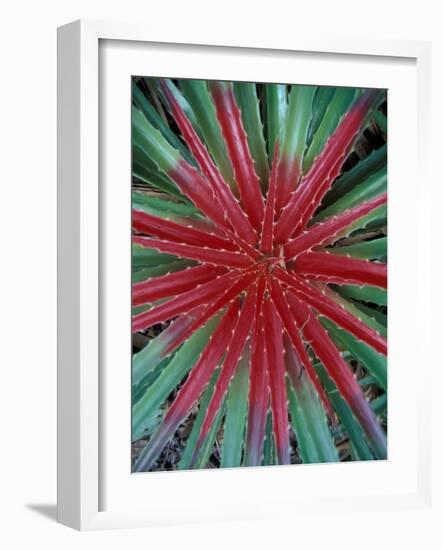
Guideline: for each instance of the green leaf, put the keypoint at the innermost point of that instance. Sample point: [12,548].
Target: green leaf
[170,377]
[365,168]
[373,221]
[207,448]
[182,101]
[374,362]
[366,250]
[308,418]
[149,257]
[352,308]
[269,455]
[162,269]
[374,185]
[309,443]
[153,143]
[248,103]
[141,309]
[163,208]
[200,101]
[337,107]
[367,380]
[147,359]
[381,121]
[150,424]
[361,450]
[149,111]
[190,445]
[139,389]
[297,121]
[235,421]
[276,109]
[380,317]
[379,405]
[146,171]
[364,293]
[321,100]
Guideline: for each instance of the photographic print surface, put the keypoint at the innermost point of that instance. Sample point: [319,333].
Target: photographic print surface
[259,274]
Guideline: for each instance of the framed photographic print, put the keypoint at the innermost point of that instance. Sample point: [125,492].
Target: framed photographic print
[226,212]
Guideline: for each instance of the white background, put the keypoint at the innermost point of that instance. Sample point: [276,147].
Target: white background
[28,277]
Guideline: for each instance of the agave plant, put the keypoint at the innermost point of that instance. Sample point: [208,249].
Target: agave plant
[259,273]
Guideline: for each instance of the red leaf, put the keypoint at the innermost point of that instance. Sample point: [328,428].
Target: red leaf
[201,295]
[331,268]
[289,172]
[239,336]
[324,306]
[233,212]
[276,375]
[191,390]
[169,230]
[192,184]
[229,117]
[259,390]
[322,233]
[338,370]
[269,212]
[251,252]
[172,284]
[167,342]
[308,195]
[206,255]
[292,329]
[231,293]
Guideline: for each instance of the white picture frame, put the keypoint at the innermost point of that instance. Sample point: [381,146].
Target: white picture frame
[80,392]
